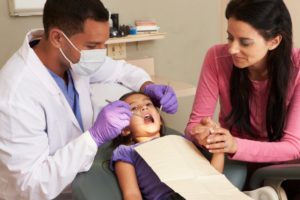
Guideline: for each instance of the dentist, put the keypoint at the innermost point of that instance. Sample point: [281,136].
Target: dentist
[47,135]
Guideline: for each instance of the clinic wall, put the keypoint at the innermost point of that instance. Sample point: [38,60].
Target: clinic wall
[191,27]
[294,8]
[13,30]
[189,33]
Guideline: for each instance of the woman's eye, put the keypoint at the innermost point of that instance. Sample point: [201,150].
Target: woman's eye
[230,39]
[246,42]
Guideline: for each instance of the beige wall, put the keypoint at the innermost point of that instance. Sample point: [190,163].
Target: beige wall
[13,30]
[191,29]
[294,8]
[188,32]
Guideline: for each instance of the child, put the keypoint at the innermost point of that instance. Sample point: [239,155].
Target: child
[136,179]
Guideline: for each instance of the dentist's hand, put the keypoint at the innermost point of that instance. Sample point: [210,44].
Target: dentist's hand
[162,95]
[110,122]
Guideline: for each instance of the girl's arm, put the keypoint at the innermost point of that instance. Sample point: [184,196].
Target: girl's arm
[128,181]
[217,161]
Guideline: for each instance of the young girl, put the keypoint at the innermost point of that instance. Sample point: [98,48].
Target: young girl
[137,180]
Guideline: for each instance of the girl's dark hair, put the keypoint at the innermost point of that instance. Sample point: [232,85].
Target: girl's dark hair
[70,15]
[270,18]
[127,140]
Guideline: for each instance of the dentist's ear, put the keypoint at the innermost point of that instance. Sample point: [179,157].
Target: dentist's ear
[55,37]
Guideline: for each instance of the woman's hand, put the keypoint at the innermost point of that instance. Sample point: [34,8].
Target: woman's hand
[200,132]
[221,141]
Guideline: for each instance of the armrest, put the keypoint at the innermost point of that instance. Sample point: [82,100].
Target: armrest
[275,175]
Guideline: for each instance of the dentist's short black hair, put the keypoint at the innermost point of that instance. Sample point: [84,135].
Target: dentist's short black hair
[70,15]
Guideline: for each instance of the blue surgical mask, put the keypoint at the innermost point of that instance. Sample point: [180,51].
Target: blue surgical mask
[90,60]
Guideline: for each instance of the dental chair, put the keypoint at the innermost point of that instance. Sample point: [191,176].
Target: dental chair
[99,183]
[274,176]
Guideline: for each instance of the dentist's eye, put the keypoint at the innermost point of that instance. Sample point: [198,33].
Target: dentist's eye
[91,46]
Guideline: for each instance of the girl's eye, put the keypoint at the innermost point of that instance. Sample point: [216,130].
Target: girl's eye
[150,104]
[134,108]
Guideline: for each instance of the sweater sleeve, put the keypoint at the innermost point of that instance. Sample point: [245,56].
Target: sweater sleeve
[207,91]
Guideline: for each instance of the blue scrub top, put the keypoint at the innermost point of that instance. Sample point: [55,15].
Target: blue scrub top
[68,90]
[70,93]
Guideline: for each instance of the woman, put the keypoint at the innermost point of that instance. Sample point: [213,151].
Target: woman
[256,78]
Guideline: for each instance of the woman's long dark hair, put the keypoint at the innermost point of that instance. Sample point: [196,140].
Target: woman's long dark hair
[127,140]
[270,18]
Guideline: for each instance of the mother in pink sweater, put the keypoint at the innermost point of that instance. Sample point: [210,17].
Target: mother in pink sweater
[257,81]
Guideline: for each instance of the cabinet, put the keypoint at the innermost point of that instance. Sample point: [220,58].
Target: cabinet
[117,50]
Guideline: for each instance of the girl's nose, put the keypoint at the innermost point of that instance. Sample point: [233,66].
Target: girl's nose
[143,108]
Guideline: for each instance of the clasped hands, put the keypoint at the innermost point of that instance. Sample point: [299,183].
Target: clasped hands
[214,138]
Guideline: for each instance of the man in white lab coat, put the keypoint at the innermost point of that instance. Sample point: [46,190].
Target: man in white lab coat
[47,135]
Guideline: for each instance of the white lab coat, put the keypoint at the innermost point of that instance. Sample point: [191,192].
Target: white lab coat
[42,147]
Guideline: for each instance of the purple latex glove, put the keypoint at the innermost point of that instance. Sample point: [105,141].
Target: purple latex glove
[162,95]
[112,119]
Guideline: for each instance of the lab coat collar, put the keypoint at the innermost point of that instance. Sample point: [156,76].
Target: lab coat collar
[41,72]
[35,64]
[82,85]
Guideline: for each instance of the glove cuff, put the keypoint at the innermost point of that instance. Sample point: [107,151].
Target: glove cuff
[97,140]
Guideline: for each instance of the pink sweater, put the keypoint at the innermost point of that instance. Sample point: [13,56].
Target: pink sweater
[214,84]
